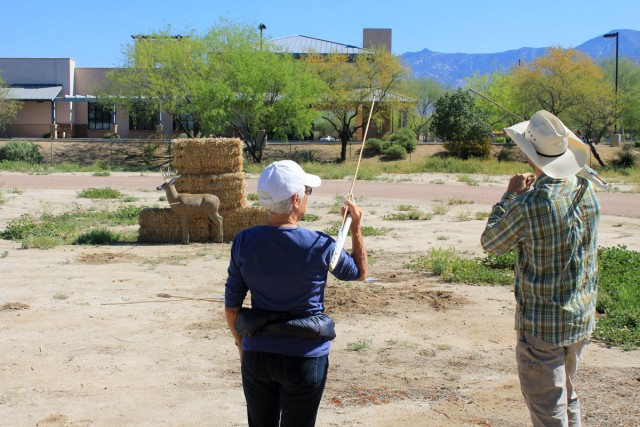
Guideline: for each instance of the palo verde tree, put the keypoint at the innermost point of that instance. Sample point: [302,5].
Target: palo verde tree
[349,85]
[570,85]
[462,125]
[8,107]
[554,82]
[425,92]
[628,94]
[224,79]
[261,89]
[163,72]
[497,87]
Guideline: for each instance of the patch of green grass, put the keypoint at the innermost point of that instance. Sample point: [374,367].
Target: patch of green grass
[360,346]
[2,200]
[253,197]
[413,215]
[405,208]
[442,237]
[60,296]
[619,297]
[102,173]
[440,209]
[52,230]
[618,301]
[464,215]
[367,231]
[452,267]
[44,168]
[41,242]
[100,193]
[482,215]
[460,202]
[310,217]
[468,180]
[98,236]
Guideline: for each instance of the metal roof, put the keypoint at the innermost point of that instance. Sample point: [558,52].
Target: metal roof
[31,92]
[303,44]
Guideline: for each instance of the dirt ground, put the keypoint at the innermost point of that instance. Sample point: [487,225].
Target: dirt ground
[135,334]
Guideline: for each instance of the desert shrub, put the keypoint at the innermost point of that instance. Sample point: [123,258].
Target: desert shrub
[21,151]
[406,138]
[625,158]
[18,229]
[376,145]
[100,193]
[395,152]
[467,149]
[305,156]
[98,236]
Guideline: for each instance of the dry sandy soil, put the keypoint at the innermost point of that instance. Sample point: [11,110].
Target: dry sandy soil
[135,334]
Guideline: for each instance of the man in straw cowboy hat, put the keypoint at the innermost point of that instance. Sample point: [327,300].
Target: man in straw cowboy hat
[551,219]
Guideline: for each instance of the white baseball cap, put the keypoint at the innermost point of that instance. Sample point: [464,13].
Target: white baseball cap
[281,180]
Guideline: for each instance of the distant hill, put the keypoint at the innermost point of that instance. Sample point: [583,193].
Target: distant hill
[452,68]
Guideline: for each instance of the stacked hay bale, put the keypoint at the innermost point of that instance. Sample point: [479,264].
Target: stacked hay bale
[209,166]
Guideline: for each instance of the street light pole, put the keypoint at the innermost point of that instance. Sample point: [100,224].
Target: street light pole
[264,27]
[607,36]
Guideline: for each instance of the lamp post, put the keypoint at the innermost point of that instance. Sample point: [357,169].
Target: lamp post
[608,36]
[264,27]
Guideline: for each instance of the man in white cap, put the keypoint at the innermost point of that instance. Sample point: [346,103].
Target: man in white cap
[553,226]
[284,338]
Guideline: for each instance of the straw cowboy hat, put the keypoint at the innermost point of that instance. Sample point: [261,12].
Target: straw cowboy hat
[550,145]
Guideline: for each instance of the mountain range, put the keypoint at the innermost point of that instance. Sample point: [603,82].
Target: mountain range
[451,69]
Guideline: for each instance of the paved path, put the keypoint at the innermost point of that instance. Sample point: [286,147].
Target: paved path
[617,204]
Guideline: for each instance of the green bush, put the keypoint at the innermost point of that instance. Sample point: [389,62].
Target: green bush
[305,156]
[376,145]
[468,149]
[406,138]
[626,158]
[395,152]
[98,236]
[100,193]
[20,228]
[21,151]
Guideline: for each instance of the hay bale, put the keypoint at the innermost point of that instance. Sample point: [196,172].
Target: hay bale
[162,225]
[229,187]
[207,155]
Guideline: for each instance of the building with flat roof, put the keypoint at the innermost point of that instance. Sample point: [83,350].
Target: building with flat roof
[58,97]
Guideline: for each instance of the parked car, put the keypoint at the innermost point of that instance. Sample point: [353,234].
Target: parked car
[327,138]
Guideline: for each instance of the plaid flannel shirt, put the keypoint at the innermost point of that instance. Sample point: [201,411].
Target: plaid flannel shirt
[554,229]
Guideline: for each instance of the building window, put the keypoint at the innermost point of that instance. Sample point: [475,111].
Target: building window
[187,122]
[143,117]
[99,116]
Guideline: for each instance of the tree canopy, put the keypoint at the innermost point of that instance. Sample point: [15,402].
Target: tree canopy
[349,84]
[426,92]
[464,127]
[223,79]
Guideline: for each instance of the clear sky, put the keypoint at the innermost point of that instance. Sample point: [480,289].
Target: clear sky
[95,32]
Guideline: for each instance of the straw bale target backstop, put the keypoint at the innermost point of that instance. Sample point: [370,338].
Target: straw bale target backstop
[207,166]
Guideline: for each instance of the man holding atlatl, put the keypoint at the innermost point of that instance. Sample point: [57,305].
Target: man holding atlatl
[551,219]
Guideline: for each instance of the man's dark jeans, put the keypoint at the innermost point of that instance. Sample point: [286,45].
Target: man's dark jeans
[280,388]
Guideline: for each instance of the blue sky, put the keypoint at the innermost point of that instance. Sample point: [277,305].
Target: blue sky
[95,32]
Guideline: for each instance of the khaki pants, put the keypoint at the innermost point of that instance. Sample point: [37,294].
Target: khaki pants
[547,374]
